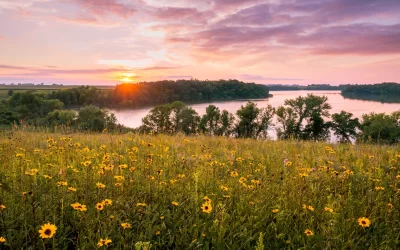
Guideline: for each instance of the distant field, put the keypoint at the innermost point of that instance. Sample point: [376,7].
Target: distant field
[39,88]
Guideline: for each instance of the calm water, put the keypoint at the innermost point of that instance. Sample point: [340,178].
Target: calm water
[133,118]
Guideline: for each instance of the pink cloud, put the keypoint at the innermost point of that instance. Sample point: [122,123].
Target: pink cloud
[232,4]
[178,39]
[264,78]
[14,67]
[161,68]
[179,77]
[255,15]
[86,20]
[55,70]
[105,7]
[174,13]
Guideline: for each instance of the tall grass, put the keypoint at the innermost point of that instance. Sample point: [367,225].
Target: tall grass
[263,194]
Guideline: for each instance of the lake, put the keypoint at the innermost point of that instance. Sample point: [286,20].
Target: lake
[133,117]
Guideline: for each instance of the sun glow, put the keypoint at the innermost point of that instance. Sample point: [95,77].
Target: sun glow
[127,77]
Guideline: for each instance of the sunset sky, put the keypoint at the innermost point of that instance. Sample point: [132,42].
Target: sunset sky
[278,41]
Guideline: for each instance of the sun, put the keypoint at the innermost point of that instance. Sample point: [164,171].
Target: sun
[127,77]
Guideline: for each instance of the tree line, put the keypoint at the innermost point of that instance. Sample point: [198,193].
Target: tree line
[303,118]
[160,92]
[382,92]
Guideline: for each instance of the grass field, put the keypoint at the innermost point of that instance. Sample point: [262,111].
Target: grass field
[128,191]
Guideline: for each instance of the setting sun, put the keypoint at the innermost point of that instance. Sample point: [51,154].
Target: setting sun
[127,78]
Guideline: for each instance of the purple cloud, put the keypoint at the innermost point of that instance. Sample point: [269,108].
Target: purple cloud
[256,15]
[362,39]
[175,13]
[317,27]
[228,36]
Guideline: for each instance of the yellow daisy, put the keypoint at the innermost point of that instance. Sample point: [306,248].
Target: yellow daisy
[47,231]
[364,222]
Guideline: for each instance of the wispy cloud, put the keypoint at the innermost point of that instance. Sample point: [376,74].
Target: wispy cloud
[263,78]
[55,70]
[106,7]
[15,67]
[161,68]
[179,77]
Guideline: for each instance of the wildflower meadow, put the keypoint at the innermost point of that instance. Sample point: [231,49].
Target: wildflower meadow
[88,191]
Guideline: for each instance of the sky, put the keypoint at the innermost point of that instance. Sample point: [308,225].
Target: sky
[107,42]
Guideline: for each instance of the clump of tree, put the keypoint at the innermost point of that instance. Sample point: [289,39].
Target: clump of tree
[92,118]
[32,108]
[344,126]
[254,122]
[171,118]
[303,118]
[381,127]
[27,106]
[60,118]
[216,122]
[7,115]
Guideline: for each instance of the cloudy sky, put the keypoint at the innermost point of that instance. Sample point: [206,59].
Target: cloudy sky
[262,41]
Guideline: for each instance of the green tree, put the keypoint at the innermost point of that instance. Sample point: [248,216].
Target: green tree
[93,118]
[287,118]
[60,117]
[309,110]
[253,121]
[215,122]
[381,127]
[344,126]
[7,115]
[176,115]
[171,118]
[316,128]
[189,120]
[210,121]
[158,120]
[226,127]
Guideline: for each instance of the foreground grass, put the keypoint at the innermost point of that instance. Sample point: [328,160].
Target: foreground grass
[195,193]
